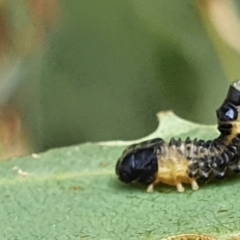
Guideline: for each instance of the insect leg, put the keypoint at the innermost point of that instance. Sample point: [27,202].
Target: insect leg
[194,184]
[180,187]
[150,188]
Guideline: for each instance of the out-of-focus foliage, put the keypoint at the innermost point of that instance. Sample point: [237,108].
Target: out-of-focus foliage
[24,27]
[117,63]
[109,66]
[222,22]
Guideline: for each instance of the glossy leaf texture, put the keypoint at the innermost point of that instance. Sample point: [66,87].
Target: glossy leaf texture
[73,193]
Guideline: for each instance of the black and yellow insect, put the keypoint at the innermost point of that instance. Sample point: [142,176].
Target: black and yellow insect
[185,161]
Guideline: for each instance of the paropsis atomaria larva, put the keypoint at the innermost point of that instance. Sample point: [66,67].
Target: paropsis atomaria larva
[185,161]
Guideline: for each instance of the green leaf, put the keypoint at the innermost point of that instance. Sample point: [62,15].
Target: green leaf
[73,193]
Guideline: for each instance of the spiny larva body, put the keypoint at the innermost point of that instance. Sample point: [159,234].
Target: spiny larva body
[185,161]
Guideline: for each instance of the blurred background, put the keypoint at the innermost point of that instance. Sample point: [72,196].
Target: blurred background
[78,71]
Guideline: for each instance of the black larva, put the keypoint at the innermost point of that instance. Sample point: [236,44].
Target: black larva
[185,161]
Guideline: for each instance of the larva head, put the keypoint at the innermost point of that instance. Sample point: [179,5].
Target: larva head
[138,165]
[229,111]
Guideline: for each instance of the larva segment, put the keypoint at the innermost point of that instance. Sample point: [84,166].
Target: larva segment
[173,165]
[184,162]
[139,162]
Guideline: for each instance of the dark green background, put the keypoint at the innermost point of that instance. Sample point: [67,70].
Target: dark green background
[111,65]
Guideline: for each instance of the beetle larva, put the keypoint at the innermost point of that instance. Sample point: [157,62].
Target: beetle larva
[185,161]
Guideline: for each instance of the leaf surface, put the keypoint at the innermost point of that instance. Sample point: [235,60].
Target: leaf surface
[73,193]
